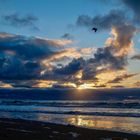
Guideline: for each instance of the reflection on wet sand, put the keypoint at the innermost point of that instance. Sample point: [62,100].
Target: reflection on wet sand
[80,121]
[126,124]
[113,123]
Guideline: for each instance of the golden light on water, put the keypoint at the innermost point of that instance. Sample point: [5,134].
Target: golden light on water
[127,124]
[80,121]
[111,123]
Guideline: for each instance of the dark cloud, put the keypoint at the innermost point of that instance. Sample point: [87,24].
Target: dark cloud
[100,86]
[103,22]
[19,21]
[20,83]
[28,47]
[72,68]
[62,86]
[14,68]
[24,49]
[122,77]
[21,57]
[134,5]
[104,59]
[66,73]
[89,67]
[136,57]
[118,86]
[115,17]
[104,56]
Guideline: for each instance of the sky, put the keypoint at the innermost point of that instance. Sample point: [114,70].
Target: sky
[51,44]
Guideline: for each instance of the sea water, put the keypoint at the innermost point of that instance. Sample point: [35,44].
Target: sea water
[117,110]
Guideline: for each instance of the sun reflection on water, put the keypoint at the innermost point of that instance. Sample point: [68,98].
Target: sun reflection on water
[126,124]
[111,123]
[80,121]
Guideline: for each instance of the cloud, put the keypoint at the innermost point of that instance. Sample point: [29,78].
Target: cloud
[6,35]
[118,86]
[136,57]
[30,47]
[68,53]
[18,21]
[5,85]
[134,5]
[122,77]
[25,48]
[59,42]
[103,22]
[137,84]
[122,39]
[64,85]
[72,68]
[20,56]
[114,17]
[14,68]
[112,57]
[103,61]
[65,73]
[67,36]
[35,58]
[23,58]
[87,51]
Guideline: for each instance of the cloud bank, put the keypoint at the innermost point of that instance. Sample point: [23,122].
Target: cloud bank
[34,58]
[21,57]
[42,59]
[42,62]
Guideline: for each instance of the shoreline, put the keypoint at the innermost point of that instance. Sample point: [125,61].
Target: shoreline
[34,130]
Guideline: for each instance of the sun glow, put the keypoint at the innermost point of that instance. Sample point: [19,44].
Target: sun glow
[69,85]
[6,86]
[44,84]
[86,86]
[79,75]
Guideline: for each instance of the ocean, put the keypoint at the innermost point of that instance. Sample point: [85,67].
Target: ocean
[117,110]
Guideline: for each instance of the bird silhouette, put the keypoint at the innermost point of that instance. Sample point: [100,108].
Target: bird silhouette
[94,29]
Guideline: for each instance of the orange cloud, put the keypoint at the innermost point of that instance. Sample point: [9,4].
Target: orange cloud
[5,85]
[121,39]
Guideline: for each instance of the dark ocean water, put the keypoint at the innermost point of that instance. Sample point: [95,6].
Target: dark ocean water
[101,109]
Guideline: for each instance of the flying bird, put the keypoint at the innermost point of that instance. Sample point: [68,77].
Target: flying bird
[94,29]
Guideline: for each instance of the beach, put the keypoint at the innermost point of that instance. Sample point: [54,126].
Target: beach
[17,129]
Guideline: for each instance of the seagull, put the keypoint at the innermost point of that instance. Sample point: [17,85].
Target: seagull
[94,29]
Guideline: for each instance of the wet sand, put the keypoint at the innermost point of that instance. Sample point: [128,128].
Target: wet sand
[16,129]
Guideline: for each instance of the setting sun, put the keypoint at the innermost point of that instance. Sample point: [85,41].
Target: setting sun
[86,86]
